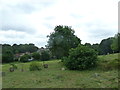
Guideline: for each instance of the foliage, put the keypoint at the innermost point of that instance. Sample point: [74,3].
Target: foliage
[25,58]
[95,47]
[45,56]
[61,40]
[8,51]
[13,65]
[36,56]
[80,58]
[116,43]
[22,48]
[88,45]
[105,46]
[34,66]
[7,56]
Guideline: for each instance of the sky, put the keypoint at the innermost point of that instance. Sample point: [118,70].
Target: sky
[30,21]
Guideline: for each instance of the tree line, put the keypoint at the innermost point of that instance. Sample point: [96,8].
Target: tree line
[107,46]
[60,42]
[9,51]
[63,39]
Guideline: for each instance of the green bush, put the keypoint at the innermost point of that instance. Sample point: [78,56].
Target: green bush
[36,56]
[45,56]
[13,65]
[25,58]
[80,58]
[34,66]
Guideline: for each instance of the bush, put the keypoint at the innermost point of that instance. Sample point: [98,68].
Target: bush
[80,58]
[45,56]
[36,56]
[34,66]
[13,65]
[25,58]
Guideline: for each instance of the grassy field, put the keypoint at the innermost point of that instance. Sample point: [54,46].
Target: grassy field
[54,77]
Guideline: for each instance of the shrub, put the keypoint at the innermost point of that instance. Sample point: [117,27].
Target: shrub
[36,56]
[45,55]
[80,58]
[13,65]
[25,58]
[34,66]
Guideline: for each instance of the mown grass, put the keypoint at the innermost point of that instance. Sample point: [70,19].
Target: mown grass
[54,77]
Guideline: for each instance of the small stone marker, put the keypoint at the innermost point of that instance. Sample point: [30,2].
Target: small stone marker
[11,69]
[45,65]
[62,69]
[96,74]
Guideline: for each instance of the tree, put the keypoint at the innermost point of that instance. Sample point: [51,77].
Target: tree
[22,48]
[116,43]
[105,46]
[45,56]
[36,56]
[88,45]
[32,48]
[15,48]
[96,47]
[61,40]
[7,56]
[7,47]
[7,53]
[80,58]
[25,58]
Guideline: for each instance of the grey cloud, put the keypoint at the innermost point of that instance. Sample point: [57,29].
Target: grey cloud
[18,28]
[24,7]
[27,7]
[100,33]
[15,36]
[19,8]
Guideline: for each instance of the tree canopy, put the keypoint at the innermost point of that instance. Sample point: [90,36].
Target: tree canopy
[105,46]
[61,40]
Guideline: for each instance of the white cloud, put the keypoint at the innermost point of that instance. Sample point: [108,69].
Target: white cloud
[92,20]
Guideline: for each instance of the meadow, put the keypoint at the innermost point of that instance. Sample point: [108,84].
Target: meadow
[105,75]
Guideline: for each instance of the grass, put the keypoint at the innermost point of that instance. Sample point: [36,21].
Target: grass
[54,77]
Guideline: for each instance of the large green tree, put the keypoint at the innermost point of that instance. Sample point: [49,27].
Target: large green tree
[61,40]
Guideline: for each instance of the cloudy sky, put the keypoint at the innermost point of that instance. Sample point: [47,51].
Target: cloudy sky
[30,21]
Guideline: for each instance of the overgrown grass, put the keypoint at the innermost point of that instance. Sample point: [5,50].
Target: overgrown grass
[54,77]
[108,62]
